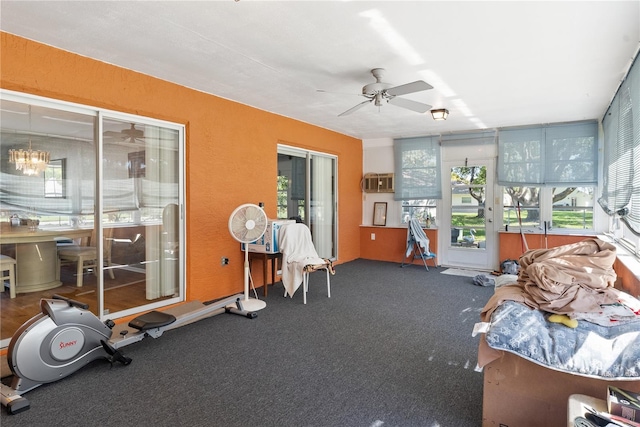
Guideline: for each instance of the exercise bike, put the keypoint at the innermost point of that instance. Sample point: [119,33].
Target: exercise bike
[66,336]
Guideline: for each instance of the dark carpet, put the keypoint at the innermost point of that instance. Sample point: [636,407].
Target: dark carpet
[391,347]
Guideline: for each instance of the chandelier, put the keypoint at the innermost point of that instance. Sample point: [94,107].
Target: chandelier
[30,162]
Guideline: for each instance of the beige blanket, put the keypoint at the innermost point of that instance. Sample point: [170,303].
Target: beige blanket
[566,279]
[573,278]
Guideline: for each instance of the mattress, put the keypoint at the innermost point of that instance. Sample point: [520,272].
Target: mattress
[591,350]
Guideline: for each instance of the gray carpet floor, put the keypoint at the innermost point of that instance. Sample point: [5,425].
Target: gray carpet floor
[391,347]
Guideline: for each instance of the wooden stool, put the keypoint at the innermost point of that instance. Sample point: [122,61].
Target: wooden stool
[8,265]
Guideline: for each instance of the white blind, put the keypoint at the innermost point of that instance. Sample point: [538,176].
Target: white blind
[560,154]
[417,168]
[621,127]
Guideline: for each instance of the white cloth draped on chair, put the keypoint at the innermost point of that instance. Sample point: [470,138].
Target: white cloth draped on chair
[417,245]
[299,257]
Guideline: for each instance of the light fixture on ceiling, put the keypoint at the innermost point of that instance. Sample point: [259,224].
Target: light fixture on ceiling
[30,162]
[440,114]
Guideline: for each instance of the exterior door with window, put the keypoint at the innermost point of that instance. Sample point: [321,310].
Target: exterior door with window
[469,237]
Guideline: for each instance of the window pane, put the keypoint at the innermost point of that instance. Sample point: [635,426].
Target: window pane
[468,192]
[528,210]
[573,208]
[422,210]
[54,179]
[49,196]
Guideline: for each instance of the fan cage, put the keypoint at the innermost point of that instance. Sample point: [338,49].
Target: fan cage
[248,223]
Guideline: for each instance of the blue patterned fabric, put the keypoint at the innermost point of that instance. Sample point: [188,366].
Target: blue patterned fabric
[590,350]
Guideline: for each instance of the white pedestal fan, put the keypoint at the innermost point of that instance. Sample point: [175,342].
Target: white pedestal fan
[247,224]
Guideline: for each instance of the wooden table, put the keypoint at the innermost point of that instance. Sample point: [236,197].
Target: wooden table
[36,255]
[265,257]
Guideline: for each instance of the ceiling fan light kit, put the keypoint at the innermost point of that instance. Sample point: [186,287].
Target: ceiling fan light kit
[380,91]
[440,114]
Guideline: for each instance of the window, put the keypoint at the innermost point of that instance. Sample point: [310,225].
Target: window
[521,207]
[549,155]
[549,174]
[572,208]
[621,182]
[422,210]
[562,208]
[417,165]
[54,179]
[285,202]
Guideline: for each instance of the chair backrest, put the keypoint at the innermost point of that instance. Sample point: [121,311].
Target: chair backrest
[296,239]
[107,235]
[417,234]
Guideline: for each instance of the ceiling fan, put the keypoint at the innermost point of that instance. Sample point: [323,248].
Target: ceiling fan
[380,92]
[126,135]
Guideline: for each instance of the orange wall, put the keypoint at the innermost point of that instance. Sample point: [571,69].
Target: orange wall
[390,244]
[511,243]
[231,151]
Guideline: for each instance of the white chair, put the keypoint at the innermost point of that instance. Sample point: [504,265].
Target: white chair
[8,268]
[299,258]
[87,256]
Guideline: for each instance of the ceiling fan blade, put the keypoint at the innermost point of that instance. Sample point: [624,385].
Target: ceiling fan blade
[418,107]
[113,134]
[416,86]
[357,107]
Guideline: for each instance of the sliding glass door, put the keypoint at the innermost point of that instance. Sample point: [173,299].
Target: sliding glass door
[307,183]
[140,212]
[91,206]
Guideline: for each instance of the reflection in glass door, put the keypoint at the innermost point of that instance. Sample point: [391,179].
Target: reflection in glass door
[140,213]
[102,221]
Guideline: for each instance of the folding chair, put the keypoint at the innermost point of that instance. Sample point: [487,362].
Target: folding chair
[418,245]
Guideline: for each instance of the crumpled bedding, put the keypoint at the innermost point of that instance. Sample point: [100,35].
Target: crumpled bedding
[576,280]
[589,350]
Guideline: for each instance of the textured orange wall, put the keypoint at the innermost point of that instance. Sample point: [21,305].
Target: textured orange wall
[511,243]
[231,151]
[391,243]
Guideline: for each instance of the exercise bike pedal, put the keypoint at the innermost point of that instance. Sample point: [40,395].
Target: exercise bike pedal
[114,355]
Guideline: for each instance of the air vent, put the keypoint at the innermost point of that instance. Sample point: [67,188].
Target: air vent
[378,183]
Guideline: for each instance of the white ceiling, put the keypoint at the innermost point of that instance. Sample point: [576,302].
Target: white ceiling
[492,64]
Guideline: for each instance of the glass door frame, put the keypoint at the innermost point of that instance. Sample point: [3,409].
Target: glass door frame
[464,257]
[108,114]
[99,114]
[310,216]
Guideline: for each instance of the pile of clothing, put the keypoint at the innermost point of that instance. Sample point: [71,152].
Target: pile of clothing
[576,280]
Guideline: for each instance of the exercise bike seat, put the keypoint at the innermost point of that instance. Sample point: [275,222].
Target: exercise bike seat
[151,320]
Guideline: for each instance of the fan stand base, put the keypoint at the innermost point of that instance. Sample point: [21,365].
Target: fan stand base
[252,304]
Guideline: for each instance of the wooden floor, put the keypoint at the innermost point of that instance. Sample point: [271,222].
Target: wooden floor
[127,290]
